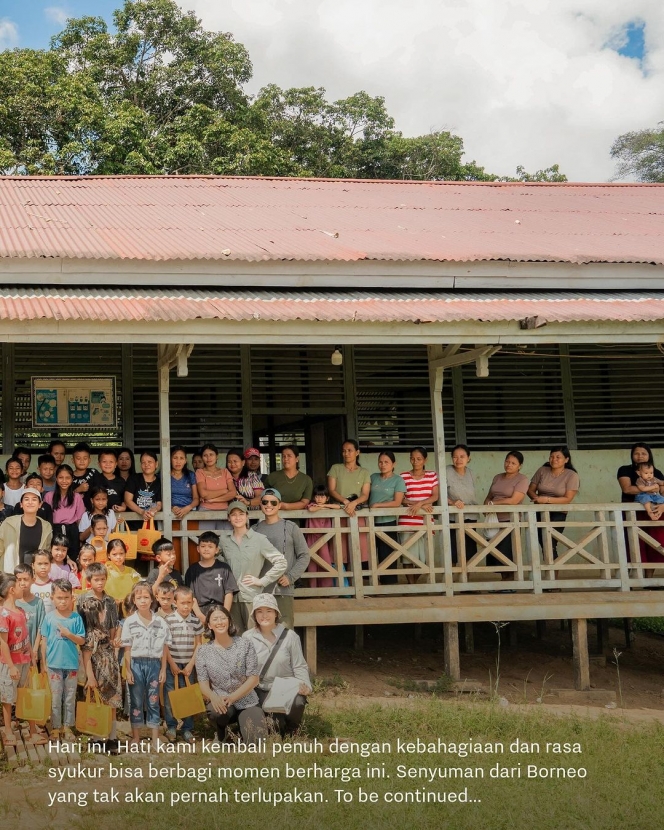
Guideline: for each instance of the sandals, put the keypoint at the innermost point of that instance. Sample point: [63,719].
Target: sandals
[9,740]
[38,739]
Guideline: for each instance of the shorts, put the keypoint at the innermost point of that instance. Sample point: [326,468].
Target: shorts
[9,687]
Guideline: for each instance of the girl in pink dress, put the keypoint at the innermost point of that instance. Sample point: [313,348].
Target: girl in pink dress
[321,501]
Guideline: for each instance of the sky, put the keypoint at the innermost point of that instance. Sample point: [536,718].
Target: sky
[523,83]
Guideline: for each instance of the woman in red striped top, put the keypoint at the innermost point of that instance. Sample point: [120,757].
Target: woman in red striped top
[422,493]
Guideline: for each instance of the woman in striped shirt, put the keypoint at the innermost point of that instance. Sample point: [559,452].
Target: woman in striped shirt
[422,493]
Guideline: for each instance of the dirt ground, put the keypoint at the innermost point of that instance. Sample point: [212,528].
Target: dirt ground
[530,668]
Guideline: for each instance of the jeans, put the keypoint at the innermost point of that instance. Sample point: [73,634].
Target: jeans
[169,686]
[383,551]
[144,691]
[63,684]
[644,498]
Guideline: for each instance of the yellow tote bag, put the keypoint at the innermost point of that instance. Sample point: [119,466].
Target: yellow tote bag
[187,701]
[119,584]
[122,532]
[94,717]
[33,702]
[146,537]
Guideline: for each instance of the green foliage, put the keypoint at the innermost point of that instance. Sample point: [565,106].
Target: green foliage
[640,155]
[160,94]
[549,174]
[653,624]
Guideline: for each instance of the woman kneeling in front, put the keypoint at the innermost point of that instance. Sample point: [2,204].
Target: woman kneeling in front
[227,670]
[279,656]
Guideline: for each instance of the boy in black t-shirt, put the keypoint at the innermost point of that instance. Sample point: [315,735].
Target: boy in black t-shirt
[164,573]
[108,479]
[209,579]
[83,472]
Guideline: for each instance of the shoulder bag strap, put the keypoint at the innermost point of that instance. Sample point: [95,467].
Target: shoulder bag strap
[273,654]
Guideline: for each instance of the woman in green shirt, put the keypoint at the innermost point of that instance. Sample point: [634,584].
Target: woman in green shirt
[350,485]
[387,490]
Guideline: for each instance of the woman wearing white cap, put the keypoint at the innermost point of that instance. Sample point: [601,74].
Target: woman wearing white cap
[21,536]
[279,655]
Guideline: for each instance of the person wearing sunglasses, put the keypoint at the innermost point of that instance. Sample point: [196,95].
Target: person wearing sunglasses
[287,538]
[255,563]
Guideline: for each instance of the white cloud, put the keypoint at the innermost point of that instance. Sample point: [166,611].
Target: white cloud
[56,14]
[530,84]
[8,33]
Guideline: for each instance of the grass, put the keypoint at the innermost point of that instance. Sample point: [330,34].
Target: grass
[441,686]
[623,762]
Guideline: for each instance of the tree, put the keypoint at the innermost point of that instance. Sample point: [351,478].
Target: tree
[640,155]
[160,94]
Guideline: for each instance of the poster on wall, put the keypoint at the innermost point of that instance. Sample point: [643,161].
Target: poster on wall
[73,402]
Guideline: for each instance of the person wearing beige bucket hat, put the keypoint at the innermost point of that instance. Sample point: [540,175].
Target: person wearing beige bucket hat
[280,655]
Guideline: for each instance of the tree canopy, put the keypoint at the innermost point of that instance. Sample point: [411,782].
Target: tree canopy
[640,155]
[160,94]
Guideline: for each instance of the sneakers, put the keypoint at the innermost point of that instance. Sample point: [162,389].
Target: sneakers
[171,735]
[188,737]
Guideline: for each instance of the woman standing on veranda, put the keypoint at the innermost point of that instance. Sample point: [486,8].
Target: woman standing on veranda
[556,482]
[509,487]
[461,493]
[422,492]
[627,475]
[215,488]
[350,484]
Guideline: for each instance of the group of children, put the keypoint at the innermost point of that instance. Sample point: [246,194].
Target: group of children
[95,622]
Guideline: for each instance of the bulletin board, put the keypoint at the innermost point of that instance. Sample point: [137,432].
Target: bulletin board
[73,402]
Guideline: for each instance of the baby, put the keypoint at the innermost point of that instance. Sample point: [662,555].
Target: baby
[648,487]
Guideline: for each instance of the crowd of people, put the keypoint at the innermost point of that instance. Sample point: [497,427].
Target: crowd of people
[71,604]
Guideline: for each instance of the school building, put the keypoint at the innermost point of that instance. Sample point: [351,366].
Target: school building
[149,311]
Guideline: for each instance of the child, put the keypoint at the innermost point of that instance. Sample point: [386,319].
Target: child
[86,556]
[46,466]
[41,586]
[5,509]
[14,483]
[164,554]
[164,595]
[96,575]
[121,579]
[32,607]
[197,462]
[83,473]
[101,665]
[62,631]
[68,507]
[58,450]
[648,487]
[98,500]
[24,455]
[15,656]
[186,637]
[211,581]
[60,568]
[110,481]
[146,638]
[320,501]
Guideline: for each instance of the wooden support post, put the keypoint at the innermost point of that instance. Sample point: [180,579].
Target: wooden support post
[467,638]
[510,635]
[628,627]
[580,655]
[417,631]
[602,636]
[310,648]
[541,629]
[165,438]
[359,638]
[451,650]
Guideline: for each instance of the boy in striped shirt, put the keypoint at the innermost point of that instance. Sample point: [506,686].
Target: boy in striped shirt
[186,637]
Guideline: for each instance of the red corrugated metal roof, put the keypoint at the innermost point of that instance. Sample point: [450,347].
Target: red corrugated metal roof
[151,306]
[254,219]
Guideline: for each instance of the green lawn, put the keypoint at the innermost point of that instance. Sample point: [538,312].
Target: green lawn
[622,789]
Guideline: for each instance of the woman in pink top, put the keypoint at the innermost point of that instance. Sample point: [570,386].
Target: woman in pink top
[509,487]
[422,492]
[215,487]
[68,507]
[556,482]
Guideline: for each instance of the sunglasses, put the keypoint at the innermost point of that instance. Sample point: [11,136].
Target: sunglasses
[270,502]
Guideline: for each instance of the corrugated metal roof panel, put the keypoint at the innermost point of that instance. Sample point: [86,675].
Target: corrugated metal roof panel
[200,218]
[111,305]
